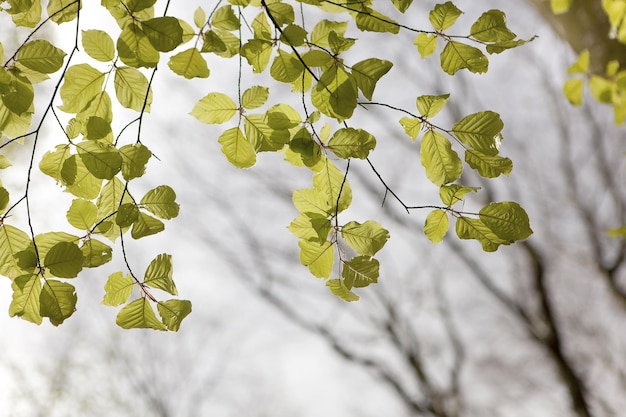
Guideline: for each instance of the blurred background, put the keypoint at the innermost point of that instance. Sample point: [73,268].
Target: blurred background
[536,329]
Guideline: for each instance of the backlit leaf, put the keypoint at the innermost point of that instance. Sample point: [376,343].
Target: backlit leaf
[491,27]
[436,225]
[480,131]
[98,45]
[164,33]
[258,53]
[238,150]
[412,127]
[430,106]
[457,56]
[159,274]
[507,220]
[190,64]
[135,49]
[12,241]
[352,143]
[61,11]
[118,289]
[367,238]
[57,301]
[367,73]
[337,287]
[40,55]
[127,214]
[454,193]
[225,18]
[442,16]
[336,93]
[426,44]
[173,312]
[286,67]
[573,90]
[102,160]
[467,228]
[26,295]
[82,214]
[64,260]
[131,89]
[488,166]
[96,253]
[139,314]
[214,108]
[360,272]
[331,183]
[81,84]
[318,257]
[145,226]
[373,21]
[254,97]
[134,160]
[161,201]
[442,163]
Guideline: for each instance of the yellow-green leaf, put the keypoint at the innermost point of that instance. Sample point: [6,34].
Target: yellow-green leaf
[442,163]
[139,315]
[214,108]
[131,89]
[98,45]
[190,64]
[436,225]
[118,289]
[238,150]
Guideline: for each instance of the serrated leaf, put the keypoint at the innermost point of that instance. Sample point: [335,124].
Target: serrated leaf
[360,272]
[457,56]
[442,16]
[488,166]
[41,56]
[337,287]
[319,257]
[139,314]
[134,160]
[118,289]
[255,97]
[189,64]
[159,274]
[26,295]
[367,73]
[146,225]
[12,241]
[131,89]
[442,163]
[214,108]
[331,183]
[467,228]
[164,33]
[238,150]
[454,193]
[81,84]
[82,214]
[480,131]
[57,301]
[98,45]
[430,106]
[367,238]
[96,253]
[161,201]
[436,225]
[64,260]
[426,44]
[491,27]
[507,220]
[352,143]
[173,312]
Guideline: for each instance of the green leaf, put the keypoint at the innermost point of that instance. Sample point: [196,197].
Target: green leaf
[255,97]
[412,127]
[84,185]
[102,160]
[311,226]
[164,33]
[145,226]
[430,106]
[159,274]
[97,128]
[161,201]
[319,257]
[199,17]
[360,272]
[98,45]
[309,151]
[281,12]
[134,160]
[127,214]
[442,16]
[41,56]
[454,193]
[258,53]
[491,27]
[282,116]
[286,67]
[338,288]
[118,289]
[135,49]
[373,21]
[82,214]
[214,108]
[100,106]
[293,35]
[498,47]
[367,238]
[4,162]
[488,166]
[316,58]
[190,64]
[560,6]
[339,44]
[131,89]
[507,220]
[96,253]
[366,73]
[230,41]
[64,260]
[12,241]
[573,90]
[238,150]
[213,43]
[18,94]
[26,295]
[336,93]
[61,11]
[81,84]
[480,131]
[139,315]
[225,18]
[45,241]
[113,193]
[312,201]
[457,56]
[581,66]
[442,163]
[173,312]
[402,5]
[323,29]
[30,15]
[261,136]
[467,228]
[352,143]
[332,184]
[426,44]
[601,89]
[4,199]
[436,225]
[57,301]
